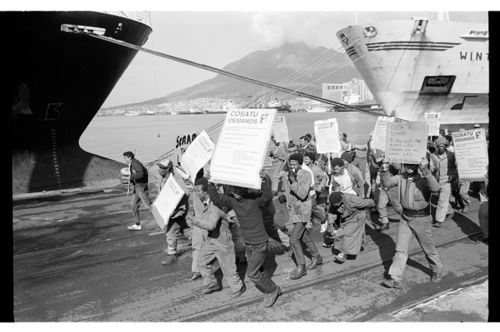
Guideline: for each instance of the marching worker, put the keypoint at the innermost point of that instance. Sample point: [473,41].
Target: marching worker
[345,181]
[306,145]
[351,211]
[415,193]
[299,207]
[177,222]
[320,179]
[138,177]
[261,262]
[445,169]
[218,244]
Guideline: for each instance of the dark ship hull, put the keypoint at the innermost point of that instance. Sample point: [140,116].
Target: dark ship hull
[57,81]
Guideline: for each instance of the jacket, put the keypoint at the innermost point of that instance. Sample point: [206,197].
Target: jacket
[138,173]
[452,166]
[248,212]
[353,208]
[212,219]
[413,193]
[298,199]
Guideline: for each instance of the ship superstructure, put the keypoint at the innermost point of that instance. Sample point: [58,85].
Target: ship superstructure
[417,65]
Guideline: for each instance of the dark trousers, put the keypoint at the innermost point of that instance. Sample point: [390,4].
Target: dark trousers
[261,266]
[141,194]
[300,234]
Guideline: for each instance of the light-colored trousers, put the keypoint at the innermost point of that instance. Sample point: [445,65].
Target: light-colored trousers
[198,237]
[221,248]
[443,204]
[420,227]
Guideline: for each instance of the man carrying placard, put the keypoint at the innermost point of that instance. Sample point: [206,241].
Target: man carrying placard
[415,193]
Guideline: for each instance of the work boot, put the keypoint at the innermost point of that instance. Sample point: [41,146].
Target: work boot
[299,272]
[436,276]
[340,258]
[169,259]
[391,283]
[212,288]
[239,292]
[272,297]
[315,262]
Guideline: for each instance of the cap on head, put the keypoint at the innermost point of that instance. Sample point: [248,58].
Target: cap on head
[441,140]
[166,163]
[335,197]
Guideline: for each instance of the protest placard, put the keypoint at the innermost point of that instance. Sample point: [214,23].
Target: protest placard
[166,202]
[379,135]
[197,154]
[280,129]
[406,142]
[242,146]
[432,120]
[471,154]
[327,136]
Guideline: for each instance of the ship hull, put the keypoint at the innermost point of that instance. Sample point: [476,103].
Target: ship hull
[397,66]
[57,82]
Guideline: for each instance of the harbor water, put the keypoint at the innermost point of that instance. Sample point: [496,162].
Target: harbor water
[151,136]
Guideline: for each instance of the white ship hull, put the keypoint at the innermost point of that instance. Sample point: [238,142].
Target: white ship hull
[429,70]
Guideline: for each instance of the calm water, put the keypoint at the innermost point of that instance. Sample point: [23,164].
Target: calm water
[152,136]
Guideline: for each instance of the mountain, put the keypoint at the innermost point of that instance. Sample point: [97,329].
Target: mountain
[319,65]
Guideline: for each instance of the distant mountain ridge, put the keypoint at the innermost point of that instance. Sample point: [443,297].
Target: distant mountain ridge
[319,64]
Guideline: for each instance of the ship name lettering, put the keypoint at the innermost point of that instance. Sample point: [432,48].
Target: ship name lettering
[474,56]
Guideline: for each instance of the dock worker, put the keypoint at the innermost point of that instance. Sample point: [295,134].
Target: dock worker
[261,262]
[177,222]
[138,177]
[415,194]
[317,188]
[298,186]
[218,244]
[351,211]
[444,167]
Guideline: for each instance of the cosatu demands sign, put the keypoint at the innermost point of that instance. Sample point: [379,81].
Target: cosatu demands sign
[241,147]
[471,153]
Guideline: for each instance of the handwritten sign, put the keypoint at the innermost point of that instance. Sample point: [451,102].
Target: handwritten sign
[242,146]
[280,129]
[327,136]
[471,153]
[166,202]
[379,135]
[432,120]
[197,154]
[406,142]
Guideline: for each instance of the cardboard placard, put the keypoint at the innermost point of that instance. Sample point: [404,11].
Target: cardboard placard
[280,129]
[406,142]
[379,135]
[197,154]
[166,202]
[242,146]
[327,136]
[432,120]
[471,154]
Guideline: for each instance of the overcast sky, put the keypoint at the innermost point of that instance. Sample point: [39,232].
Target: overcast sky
[217,33]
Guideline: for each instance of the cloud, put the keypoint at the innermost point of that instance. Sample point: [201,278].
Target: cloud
[313,28]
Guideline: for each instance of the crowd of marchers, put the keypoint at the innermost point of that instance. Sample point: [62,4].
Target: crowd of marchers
[230,226]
